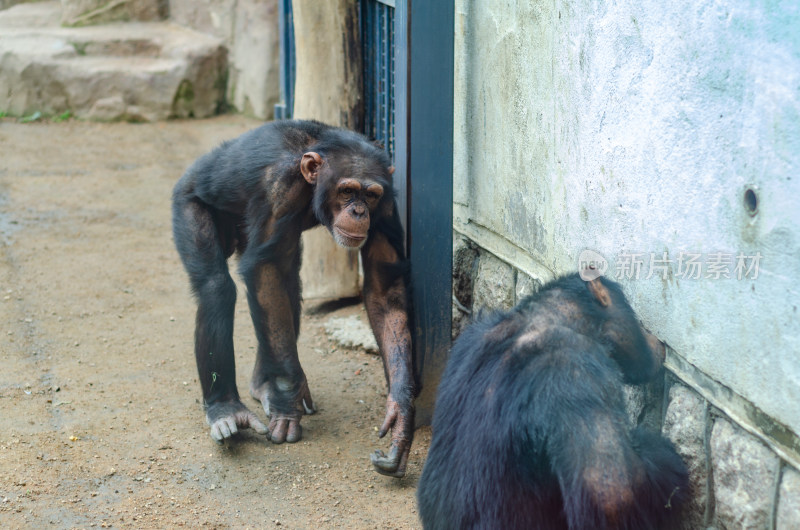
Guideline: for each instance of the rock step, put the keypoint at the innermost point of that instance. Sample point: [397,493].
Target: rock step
[141,71]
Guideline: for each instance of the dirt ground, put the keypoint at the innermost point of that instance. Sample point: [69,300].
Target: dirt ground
[101,423]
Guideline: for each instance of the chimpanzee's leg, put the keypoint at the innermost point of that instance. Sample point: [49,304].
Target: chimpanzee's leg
[202,250]
[278,382]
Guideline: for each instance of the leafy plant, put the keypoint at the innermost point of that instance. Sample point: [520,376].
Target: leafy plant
[33,117]
[64,116]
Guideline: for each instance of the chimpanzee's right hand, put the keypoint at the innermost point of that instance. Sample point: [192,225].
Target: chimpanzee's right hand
[226,418]
[401,421]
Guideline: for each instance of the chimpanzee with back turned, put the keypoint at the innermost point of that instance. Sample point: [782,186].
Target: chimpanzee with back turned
[254,195]
[530,429]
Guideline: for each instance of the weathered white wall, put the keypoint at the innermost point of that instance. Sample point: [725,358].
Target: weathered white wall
[637,127]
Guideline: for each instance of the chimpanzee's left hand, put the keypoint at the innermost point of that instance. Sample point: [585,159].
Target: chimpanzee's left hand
[400,419]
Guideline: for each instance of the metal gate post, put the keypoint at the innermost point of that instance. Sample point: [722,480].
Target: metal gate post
[426,55]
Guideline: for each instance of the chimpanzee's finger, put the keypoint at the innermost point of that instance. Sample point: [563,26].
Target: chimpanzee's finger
[294,431]
[278,428]
[254,423]
[388,422]
[216,434]
[231,424]
[220,430]
[285,429]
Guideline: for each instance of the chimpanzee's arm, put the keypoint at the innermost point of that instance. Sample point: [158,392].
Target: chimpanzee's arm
[386,301]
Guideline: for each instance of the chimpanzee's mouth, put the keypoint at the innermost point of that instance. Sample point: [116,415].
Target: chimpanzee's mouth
[348,240]
[348,235]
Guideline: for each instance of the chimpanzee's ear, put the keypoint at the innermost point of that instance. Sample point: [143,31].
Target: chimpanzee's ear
[391,170]
[600,292]
[310,165]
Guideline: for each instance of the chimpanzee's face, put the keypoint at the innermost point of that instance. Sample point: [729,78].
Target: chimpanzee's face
[348,190]
[351,202]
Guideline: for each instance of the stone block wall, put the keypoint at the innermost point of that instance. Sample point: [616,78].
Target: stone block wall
[741,477]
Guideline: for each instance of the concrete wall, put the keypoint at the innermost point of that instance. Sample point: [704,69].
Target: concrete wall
[668,130]
[637,128]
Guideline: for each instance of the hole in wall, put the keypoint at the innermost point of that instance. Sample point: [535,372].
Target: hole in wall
[751,201]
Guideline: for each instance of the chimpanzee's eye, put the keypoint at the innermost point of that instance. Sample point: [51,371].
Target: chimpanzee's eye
[347,192]
[372,195]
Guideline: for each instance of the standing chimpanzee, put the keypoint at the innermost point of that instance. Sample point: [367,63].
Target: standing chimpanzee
[254,195]
[530,429]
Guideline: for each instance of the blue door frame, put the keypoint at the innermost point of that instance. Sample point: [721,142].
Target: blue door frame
[408,91]
[283,109]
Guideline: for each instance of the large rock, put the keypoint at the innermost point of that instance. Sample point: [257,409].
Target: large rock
[745,474]
[137,71]
[685,426]
[526,286]
[494,284]
[788,515]
[35,14]
[644,404]
[249,29]
[255,59]
[215,17]
[5,4]
[465,267]
[87,12]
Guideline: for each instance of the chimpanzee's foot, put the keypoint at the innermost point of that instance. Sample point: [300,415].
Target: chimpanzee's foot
[226,418]
[284,426]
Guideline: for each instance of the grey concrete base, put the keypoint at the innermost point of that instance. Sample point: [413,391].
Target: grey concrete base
[135,71]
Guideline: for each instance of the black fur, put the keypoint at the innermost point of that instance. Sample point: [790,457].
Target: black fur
[530,429]
[222,205]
